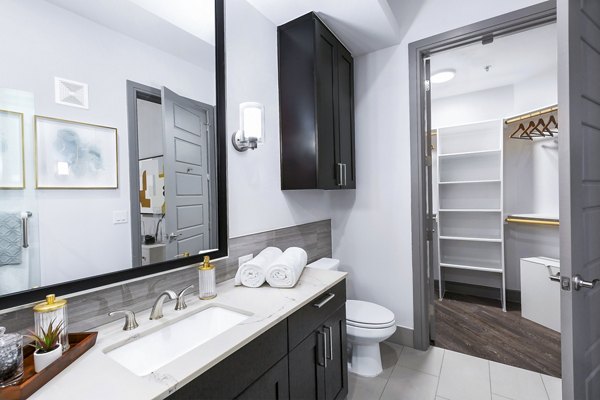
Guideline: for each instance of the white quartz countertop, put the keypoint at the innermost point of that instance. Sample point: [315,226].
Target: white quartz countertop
[95,376]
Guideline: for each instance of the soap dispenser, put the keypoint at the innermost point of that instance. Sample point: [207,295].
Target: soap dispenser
[207,280]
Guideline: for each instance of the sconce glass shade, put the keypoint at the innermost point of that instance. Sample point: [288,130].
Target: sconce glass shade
[252,118]
[252,127]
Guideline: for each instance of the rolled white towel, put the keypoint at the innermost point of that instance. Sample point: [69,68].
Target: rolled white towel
[285,271]
[253,272]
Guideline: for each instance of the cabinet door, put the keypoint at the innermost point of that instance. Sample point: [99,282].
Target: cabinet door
[336,372]
[345,79]
[326,96]
[307,368]
[273,385]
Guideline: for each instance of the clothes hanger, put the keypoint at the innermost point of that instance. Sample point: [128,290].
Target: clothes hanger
[552,121]
[521,127]
[540,132]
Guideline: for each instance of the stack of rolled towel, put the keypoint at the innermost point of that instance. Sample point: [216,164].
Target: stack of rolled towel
[281,269]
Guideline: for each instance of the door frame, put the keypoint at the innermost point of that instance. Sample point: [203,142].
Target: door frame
[136,90]
[522,19]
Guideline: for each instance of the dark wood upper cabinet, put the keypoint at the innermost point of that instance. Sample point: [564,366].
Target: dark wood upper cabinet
[316,102]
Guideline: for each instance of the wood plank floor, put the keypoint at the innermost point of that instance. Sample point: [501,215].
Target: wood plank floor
[480,328]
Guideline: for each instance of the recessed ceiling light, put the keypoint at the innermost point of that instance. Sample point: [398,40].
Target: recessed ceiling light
[443,76]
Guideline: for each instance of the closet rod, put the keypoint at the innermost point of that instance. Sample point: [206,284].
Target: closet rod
[533,221]
[531,115]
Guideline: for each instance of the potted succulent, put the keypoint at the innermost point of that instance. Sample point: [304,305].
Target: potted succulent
[47,346]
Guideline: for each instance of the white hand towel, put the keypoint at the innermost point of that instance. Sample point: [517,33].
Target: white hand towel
[285,271]
[253,272]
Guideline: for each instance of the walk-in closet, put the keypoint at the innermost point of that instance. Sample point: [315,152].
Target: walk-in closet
[495,137]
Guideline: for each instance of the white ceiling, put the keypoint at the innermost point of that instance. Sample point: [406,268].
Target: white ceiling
[194,16]
[174,30]
[362,25]
[513,59]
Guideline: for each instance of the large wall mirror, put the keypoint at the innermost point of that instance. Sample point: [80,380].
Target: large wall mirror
[112,163]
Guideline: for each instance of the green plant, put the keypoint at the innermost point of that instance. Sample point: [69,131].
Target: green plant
[48,340]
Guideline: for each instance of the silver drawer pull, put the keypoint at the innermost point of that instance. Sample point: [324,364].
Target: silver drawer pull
[325,300]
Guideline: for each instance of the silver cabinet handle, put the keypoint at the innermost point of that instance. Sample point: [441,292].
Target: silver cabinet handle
[130,322]
[325,349]
[325,300]
[340,174]
[345,175]
[330,329]
[181,305]
[579,282]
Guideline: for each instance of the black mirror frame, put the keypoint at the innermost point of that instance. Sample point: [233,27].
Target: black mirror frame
[38,294]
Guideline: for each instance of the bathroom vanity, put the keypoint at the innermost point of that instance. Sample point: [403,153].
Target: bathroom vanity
[290,343]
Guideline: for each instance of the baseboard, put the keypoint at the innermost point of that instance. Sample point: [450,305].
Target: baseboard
[512,296]
[403,336]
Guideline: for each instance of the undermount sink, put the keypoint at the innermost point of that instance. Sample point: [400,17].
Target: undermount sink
[156,348]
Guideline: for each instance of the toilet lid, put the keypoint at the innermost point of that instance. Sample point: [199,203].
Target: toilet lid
[363,313]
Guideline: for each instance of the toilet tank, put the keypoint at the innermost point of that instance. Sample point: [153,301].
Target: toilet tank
[330,264]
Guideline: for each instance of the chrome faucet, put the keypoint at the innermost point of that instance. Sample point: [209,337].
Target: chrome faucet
[130,322]
[181,299]
[158,304]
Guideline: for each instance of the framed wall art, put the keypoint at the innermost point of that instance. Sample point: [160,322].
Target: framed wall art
[75,155]
[12,156]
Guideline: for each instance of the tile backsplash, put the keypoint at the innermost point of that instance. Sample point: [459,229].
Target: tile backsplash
[89,310]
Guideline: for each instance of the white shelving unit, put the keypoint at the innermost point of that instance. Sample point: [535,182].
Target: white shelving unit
[470,200]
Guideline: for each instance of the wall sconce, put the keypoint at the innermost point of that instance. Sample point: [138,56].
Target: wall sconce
[252,127]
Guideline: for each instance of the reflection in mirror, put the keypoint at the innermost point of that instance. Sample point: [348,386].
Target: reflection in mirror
[108,157]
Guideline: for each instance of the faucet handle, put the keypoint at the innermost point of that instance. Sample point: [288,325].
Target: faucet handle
[181,299]
[130,322]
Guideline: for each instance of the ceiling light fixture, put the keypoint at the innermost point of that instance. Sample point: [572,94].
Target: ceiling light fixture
[443,76]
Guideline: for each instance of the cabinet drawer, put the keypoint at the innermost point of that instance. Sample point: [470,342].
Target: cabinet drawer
[233,375]
[312,315]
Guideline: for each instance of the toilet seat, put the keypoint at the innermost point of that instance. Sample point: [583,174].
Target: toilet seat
[370,326]
[364,314]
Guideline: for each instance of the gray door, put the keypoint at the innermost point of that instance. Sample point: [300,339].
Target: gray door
[579,155]
[429,226]
[186,126]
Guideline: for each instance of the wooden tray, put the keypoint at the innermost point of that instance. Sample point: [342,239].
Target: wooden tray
[31,382]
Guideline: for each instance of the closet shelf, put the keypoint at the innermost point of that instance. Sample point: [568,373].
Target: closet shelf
[469,153]
[471,239]
[468,182]
[471,268]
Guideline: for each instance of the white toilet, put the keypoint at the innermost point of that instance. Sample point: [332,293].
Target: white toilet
[367,325]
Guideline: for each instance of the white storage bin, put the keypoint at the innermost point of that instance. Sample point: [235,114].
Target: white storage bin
[540,291]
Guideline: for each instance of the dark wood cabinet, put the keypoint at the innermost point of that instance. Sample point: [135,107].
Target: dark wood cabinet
[316,99]
[301,358]
[318,365]
[307,375]
[336,370]
[273,385]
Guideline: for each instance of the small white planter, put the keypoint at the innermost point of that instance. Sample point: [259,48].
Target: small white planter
[42,360]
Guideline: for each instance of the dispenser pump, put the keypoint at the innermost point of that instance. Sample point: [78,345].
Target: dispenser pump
[207,283]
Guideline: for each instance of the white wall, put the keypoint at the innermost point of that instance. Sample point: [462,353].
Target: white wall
[44,41]
[496,103]
[372,227]
[256,202]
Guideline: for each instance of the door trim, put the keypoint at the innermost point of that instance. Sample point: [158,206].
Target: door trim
[529,17]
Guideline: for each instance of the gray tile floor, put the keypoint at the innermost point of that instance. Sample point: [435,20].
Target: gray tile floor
[439,374]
